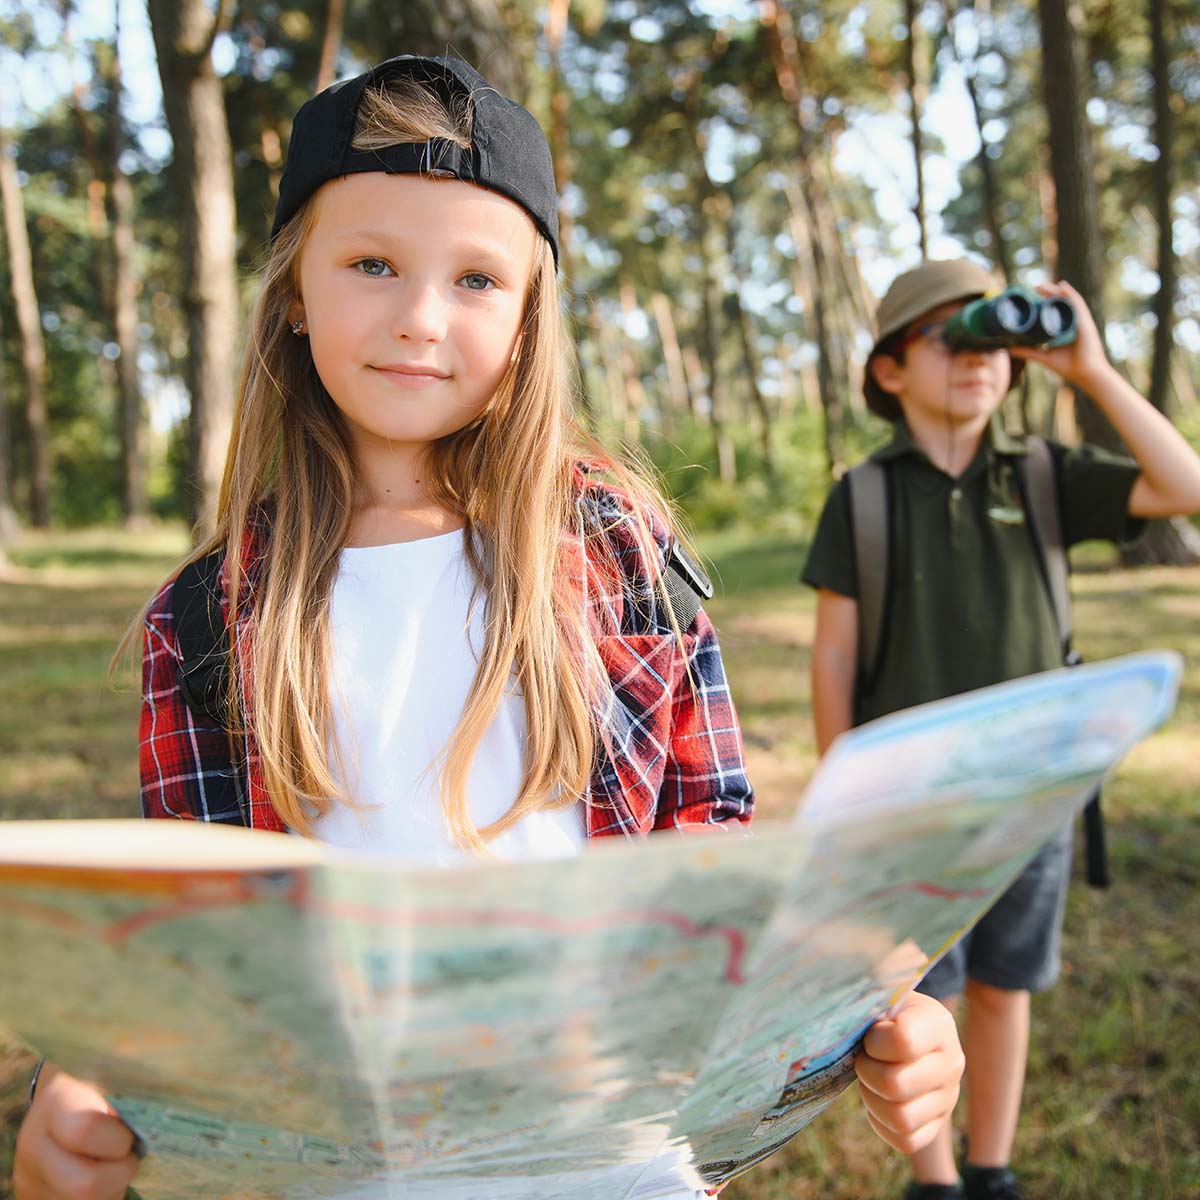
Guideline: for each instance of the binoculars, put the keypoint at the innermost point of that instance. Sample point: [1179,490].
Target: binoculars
[1015,317]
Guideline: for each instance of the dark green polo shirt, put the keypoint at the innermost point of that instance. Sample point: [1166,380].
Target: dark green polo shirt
[967,604]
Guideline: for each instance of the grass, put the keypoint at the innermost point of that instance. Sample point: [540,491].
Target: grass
[1111,1108]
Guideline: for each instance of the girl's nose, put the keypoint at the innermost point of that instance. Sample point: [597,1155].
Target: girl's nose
[421,315]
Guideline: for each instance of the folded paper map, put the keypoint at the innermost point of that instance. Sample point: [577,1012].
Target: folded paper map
[277,1018]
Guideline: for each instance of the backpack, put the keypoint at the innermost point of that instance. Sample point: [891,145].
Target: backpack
[1038,483]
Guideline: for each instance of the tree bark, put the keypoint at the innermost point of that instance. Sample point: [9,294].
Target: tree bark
[916,98]
[125,312]
[331,43]
[10,528]
[785,57]
[1078,226]
[29,326]
[202,163]
[677,385]
[1001,254]
[1164,301]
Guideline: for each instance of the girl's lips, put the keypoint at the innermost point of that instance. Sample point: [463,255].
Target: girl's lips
[411,377]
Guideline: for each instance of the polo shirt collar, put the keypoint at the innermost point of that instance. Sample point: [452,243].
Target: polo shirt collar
[996,439]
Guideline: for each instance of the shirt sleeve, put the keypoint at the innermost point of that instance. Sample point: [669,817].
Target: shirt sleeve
[1094,485]
[831,557]
[185,760]
[704,780]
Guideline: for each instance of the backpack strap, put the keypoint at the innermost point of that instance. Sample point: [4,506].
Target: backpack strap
[686,583]
[870,520]
[203,671]
[1039,483]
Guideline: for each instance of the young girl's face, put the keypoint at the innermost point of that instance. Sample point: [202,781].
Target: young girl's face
[413,292]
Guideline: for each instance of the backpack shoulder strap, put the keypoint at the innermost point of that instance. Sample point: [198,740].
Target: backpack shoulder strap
[686,583]
[203,672]
[870,520]
[1040,485]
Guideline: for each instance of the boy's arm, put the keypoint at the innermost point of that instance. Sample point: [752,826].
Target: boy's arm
[834,665]
[1169,484]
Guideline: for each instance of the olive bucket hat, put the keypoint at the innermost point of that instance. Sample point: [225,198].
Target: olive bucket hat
[935,282]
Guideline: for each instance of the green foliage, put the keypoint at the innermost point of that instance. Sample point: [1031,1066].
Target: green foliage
[786,503]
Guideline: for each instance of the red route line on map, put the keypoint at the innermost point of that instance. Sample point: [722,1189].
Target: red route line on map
[299,897]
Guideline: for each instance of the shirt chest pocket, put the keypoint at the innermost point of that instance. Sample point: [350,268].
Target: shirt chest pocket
[644,671]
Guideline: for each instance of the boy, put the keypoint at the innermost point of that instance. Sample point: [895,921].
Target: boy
[967,607]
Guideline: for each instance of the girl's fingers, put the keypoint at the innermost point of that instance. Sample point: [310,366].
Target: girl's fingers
[920,1026]
[907,1143]
[907,1116]
[81,1122]
[61,1173]
[897,1082]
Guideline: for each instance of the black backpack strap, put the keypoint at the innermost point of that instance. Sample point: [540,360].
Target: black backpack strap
[203,673]
[1039,483]
[686,583]
[870,519]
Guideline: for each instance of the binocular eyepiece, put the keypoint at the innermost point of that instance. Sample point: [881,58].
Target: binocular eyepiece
[1017,316]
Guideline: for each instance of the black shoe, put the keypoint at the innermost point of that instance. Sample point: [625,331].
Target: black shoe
[990,1183]
[933,1191]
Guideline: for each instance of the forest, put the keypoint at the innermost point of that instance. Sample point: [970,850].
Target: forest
[738,182]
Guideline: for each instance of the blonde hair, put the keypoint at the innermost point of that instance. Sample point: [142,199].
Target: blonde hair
[290,459]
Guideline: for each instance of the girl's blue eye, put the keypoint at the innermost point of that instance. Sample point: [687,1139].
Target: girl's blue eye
[476,281]
[375,267]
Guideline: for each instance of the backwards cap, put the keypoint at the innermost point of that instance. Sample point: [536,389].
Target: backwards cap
[926,287]
[509,153]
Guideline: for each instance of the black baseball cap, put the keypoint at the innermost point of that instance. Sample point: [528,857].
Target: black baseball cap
[509,153]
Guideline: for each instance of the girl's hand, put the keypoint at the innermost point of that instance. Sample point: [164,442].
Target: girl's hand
[71,1144]
[909,1071]
[1083,361]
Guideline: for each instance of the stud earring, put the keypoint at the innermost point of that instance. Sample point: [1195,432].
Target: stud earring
[297,327]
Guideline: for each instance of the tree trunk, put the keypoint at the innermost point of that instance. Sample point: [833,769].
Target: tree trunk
[10,528]
[635,392]
[1164,301]
[1001,254]
[757,400]
[29,326]
[1078,227]
[697,389]
[785,58]
[331,43]
[1079,254]
[203,167]
[125,314]
[677,385]
[726,459]
[916,98]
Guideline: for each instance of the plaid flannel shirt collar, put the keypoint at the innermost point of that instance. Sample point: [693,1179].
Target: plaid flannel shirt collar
[666,721]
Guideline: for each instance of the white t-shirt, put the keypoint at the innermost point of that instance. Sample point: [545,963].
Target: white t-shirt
[405,640]
[405,643]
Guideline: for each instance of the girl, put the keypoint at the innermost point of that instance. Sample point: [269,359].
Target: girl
[441,632]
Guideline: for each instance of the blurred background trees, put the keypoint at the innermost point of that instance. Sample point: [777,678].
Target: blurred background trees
[739,181]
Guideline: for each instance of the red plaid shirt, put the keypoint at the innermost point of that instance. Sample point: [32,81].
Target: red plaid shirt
[670,753]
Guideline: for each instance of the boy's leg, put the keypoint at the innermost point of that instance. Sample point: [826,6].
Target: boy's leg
[1014,951]
[996,1044]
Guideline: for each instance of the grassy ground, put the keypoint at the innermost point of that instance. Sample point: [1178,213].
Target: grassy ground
[1111,1110]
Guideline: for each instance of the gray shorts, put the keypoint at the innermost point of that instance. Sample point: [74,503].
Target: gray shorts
[1016,944]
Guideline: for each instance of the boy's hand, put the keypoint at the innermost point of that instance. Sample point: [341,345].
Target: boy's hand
[909,1071]
[1083,361]
[72,1145]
